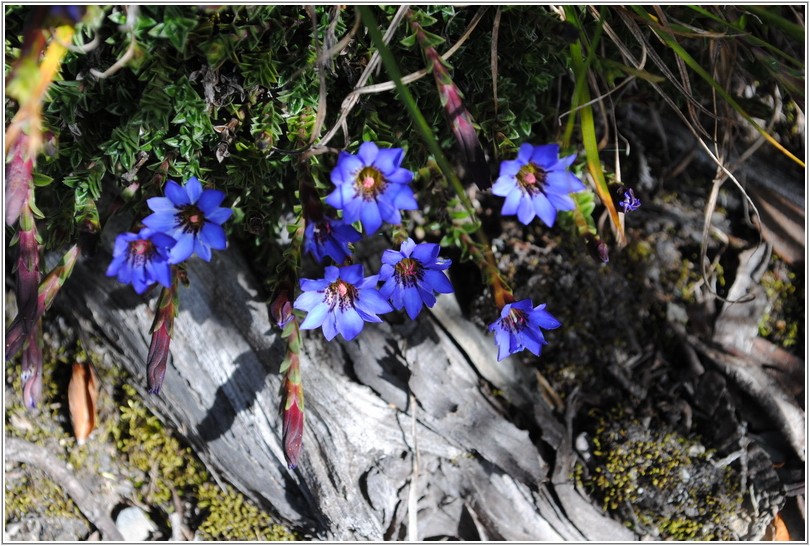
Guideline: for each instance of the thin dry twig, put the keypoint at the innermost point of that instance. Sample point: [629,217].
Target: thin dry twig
[132,15]
[362,89]
[493,58]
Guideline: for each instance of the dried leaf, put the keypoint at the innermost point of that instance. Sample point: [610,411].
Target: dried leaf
[82,396]
[777,530]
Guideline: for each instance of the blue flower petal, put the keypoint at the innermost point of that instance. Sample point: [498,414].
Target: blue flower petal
[561,201]
[525,153]
[404,199]
[210,200]
[318,285]
[202,249]
[526,211]
[163,221]
[176,193]
[193,189]
[352,274]
[400,176]
[370,218]
[349,324]
[388,160]
[424,252]
[413,302]
[438,281]
[330,327]
[504,185]
[544,209]
[160,204]
[115,265]
[368,153]
[372,302]
[214,236]
[182,250]
[219,215]
[510,168]
[390,258]
[545,156]
[307,300]
[512,202]
[315,317]
[503,341]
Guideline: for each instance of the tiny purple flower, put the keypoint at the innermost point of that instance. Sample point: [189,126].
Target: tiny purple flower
[142,259]
[330,238]
[341,301]
[372,187]
[519,328]
[192,216]
[630,201]
[412,275]
[537,183]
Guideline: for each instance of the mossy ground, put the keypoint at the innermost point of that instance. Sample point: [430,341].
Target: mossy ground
[131,455]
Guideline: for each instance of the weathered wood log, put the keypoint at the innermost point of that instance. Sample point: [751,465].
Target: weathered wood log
[421,389]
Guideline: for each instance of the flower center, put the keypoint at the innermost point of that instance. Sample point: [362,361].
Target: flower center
[515,321]
[370,183]
[140,251]
[532,178]
[340,294]
[191,219]
[408,271]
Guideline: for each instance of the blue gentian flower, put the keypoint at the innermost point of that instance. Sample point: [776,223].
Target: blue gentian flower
[331,238]
[412,275]
[372,187]
[192,216]
[341,301]
[630,201]
[537,183]
[519,328]
[141,259]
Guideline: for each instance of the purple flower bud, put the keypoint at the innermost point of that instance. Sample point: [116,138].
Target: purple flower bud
[31,375]
[281,309]
[19,180]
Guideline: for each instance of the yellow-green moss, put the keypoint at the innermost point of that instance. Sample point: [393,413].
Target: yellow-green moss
[781,322]
[32,493]
[655,476]
[229,516]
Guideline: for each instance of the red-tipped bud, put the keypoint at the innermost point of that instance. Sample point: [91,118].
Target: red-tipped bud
[293,431]
[157,358]
[597,248]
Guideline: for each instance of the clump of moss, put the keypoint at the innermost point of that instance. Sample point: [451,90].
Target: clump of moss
[165,467]
[163,463]
[660,481]
[782,322]
[32,493]
[229,516]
